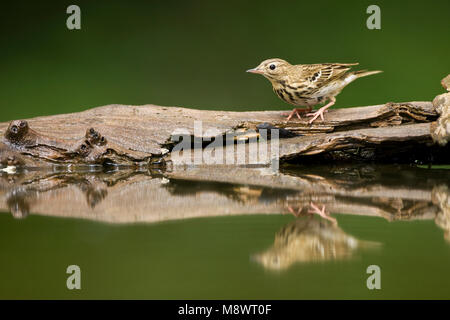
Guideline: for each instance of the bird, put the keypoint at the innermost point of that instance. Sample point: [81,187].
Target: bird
[306,85]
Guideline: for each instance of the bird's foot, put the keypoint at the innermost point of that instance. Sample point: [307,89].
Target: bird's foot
[295,213]
[296,111]
[322,213]
[316,210]
[316,114]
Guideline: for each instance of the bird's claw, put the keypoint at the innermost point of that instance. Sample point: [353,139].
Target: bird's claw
[292,114]
[296,112]
[293,212]
[316,114]
[322,213]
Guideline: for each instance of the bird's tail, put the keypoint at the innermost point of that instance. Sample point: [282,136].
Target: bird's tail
[359,74]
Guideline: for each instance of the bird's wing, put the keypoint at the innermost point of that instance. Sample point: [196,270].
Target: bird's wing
[317,75]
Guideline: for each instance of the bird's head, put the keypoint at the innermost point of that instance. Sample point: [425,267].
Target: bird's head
[272,69]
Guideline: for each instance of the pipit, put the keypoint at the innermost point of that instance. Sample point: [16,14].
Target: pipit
[307,85]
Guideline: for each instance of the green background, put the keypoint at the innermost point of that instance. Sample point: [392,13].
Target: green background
[195,53]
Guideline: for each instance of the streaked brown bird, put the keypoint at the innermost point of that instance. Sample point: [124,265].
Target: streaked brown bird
[306,85]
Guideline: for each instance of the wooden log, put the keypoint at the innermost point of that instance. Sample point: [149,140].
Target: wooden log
[139,135]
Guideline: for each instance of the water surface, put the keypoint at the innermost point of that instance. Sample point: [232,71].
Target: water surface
[259,241]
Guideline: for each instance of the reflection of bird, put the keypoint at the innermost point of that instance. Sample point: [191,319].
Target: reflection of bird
[309,240]
[314,209]
[441,196]
[308,84]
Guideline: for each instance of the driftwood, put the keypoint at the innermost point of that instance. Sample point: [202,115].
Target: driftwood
[140,136]
[137,135]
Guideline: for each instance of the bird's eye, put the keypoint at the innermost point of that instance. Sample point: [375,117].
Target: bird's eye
[272,67]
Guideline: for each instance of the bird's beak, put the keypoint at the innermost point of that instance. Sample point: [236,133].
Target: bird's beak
[255,70]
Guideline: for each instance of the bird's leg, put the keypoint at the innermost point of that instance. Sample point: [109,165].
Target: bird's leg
[322,213]
[296,111]
[295,214]
[320,112]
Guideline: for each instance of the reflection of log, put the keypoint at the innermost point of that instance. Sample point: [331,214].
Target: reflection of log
[129,199]
[392,192]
